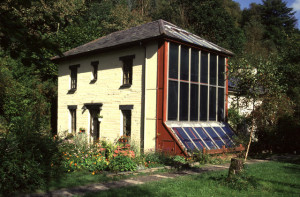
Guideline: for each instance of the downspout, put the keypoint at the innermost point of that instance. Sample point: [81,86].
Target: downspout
[143,100]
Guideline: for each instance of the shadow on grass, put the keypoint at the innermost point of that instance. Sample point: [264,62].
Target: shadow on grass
[125,191]
[78,179]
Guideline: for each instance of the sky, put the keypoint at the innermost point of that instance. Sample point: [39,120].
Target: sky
[295,4]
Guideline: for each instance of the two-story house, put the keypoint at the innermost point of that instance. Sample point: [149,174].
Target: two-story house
[163,86]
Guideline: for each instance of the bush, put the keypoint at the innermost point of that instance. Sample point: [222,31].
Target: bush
[155,159]
[77,156]
[122,163]
[28,162]
[179,159]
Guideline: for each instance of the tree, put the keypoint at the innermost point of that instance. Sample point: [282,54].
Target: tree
[279,21]
[257,83]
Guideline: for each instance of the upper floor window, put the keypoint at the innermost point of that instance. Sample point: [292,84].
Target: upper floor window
[73,85]
[94,71]
[127,69]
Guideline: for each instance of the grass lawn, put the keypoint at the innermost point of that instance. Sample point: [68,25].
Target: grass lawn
[80,178]
[261,179]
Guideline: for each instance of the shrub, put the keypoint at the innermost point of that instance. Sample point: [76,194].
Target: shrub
[124,151]
[122,163]
[78,157]
[28,162]
[179,159]
[155,159]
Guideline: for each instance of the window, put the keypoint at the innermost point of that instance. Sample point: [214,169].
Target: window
[94,110]
[94,71]
[127,69]
[73,85]
[196,85]
[72,110]
[126,122]
[126,114]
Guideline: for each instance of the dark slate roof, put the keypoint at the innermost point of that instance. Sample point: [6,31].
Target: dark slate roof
[148,31]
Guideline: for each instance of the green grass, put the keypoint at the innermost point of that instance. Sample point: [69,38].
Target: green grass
[262,179]
[80,178]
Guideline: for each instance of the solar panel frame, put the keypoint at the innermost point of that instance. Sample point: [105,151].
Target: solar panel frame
[186,141]
[228,142]
[215,138]
[195,139]
[210,143]
[227,128]
[230,137]
[197,136]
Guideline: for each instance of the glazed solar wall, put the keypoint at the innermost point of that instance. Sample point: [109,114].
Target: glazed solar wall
[206,136]
[196,85]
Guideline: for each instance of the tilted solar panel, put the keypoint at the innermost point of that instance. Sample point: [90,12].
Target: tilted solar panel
[205,138]
[224,136]
[214,136]
[194,137]
[184,138]
[228,130]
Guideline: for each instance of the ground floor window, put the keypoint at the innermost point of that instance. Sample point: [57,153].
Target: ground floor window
[94,124]
[126,122]
[126,119]
[72,111]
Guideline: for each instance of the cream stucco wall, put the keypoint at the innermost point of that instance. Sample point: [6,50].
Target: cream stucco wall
[107,90]
[150,97]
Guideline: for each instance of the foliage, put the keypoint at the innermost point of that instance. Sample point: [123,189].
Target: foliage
[155,159]
[124,151]
[179,159]
[29,158]
[236,120]
[208,159]
[122,163]
[79,155]
[257,82]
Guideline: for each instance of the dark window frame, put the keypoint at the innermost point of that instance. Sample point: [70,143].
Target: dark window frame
[72,111]
[74,77]
[127,69]
[94,64]
[127,122]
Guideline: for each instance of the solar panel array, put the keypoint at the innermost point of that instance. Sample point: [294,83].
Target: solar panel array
[189,37]
[206,136]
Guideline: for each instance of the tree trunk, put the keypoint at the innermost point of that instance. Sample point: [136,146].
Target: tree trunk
[251,133]
[236,167]
[250,139]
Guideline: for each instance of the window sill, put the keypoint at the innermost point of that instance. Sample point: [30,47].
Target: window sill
[124,86]
[93,81]
[71,91]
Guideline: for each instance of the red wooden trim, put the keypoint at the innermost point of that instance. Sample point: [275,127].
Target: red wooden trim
[160,64]
[224,150]
[166,53]
[226,85]
[197,47]
[176,140]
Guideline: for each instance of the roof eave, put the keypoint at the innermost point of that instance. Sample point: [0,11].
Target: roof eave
[57,59]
